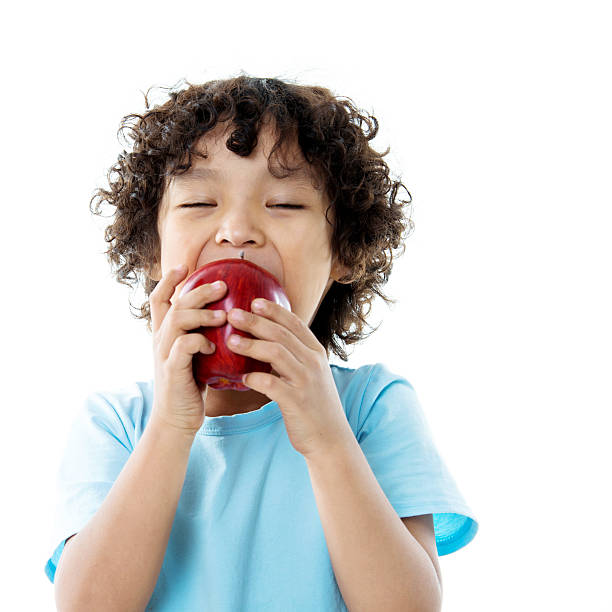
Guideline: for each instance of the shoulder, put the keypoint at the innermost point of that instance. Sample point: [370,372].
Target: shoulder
[122,409]
[368,391]
[370,378]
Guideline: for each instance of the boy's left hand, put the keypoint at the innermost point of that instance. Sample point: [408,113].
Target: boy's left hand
[305,390]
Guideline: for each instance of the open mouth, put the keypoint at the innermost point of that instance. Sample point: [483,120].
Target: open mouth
[250,256]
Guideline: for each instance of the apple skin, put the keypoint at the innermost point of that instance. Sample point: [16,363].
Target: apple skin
[245,281]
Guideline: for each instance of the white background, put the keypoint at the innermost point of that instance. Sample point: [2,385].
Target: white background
[499,120]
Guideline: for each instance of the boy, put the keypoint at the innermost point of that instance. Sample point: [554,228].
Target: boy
[319,488]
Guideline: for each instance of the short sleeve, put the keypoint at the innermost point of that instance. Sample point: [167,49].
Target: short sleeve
[397,442]
[97,448]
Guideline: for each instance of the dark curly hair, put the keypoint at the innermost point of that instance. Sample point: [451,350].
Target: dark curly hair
[368,222]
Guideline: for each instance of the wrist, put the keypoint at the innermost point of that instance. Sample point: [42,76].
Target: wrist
[344,444]
[173,433]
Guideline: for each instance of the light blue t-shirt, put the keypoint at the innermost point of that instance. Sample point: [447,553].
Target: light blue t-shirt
[247,534]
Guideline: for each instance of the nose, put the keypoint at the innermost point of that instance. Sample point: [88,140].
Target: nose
[240,227]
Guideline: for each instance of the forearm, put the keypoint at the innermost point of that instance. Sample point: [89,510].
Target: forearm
[378,564]
[113,563]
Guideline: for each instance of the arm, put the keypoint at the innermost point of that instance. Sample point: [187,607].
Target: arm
[378,563]
[113,563]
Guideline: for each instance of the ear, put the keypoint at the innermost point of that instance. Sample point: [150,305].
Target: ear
[340,273]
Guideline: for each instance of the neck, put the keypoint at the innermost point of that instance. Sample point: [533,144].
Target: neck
[220,402]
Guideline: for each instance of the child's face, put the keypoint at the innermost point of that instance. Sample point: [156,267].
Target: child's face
[293,244]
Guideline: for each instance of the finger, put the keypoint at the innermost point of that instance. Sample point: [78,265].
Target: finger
[185,348]
[202,295]
[266,329]
[286,318]
[159,300]
[281,359]
[179,321]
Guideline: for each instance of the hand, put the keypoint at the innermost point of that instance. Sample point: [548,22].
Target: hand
[305,390]
[178,400]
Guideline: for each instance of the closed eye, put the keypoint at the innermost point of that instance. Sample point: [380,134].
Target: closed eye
[208,204]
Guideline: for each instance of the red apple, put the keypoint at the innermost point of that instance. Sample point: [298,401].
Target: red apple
[245,281]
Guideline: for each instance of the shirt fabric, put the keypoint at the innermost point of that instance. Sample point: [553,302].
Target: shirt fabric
[247,533]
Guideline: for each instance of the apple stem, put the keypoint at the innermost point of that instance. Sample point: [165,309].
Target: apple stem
[241,254]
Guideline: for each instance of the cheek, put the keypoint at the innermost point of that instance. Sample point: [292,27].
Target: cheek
[307,266]
[180,246]
[305,291]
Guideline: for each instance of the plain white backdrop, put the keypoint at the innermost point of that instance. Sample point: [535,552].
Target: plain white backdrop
[498,116]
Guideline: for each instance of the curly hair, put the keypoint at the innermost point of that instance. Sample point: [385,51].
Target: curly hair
[369,223]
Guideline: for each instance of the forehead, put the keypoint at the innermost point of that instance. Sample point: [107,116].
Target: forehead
[210,156]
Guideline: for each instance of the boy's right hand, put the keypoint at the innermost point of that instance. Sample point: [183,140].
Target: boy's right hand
[178,401]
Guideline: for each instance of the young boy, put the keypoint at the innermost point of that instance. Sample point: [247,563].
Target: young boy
[320,487]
